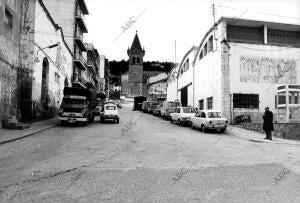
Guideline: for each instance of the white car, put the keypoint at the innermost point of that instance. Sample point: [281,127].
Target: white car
[109,111]
[182,115]
[209,120]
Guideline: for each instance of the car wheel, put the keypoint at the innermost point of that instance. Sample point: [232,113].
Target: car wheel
[118,120]
[63,123]
[102,120]
[203,129]
[180,122]
[171,120]
[92,118]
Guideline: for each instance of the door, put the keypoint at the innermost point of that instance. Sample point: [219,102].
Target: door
[184,96]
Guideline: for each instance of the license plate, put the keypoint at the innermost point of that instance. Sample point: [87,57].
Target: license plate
[71,120]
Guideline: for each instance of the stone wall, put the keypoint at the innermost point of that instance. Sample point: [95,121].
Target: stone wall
[282,130]
[9,56]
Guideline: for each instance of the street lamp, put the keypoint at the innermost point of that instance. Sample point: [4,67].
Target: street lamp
[40,49]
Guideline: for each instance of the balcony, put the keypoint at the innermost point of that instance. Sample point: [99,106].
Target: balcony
[91,83]
[79,40]
[80,20]
[79,61]
[91,66]
[78,81]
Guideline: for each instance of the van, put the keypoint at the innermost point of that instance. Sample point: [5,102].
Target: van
[168,107]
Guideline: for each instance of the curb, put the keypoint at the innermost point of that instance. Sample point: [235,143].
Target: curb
[28,135]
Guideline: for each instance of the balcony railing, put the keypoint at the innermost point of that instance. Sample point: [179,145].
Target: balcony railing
[80,19]
[78,79]
[79,40]
[79,61]
[91,65]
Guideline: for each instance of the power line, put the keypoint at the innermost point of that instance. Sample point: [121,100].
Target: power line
[259,12]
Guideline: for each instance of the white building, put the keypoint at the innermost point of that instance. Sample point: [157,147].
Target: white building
[241,62]
[172,93]
[185,78]
[50,60]
[157,87]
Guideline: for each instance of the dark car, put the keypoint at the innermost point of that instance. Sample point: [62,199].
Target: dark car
[156,109]
[138,102]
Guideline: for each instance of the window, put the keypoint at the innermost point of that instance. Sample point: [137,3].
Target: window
[188,110]
[294,97]
[57,78]
[202,115]
[8,18]
[214,115]
[133,60]
[205,50]
[210,44]
[201,55]
[201,104]
[138,60]
[246,101]
[110,108]
[209,103]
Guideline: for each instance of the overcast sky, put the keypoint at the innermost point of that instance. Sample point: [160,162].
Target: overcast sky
[160,22]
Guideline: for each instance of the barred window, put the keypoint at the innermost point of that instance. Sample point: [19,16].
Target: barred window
[246,101]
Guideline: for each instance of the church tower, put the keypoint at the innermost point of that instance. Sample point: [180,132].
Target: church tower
[135,73]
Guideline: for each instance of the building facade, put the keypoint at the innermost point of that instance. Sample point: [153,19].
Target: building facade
[172,84]
[185,78]
[10,36]
[240,63]
[157,87]
[70,16]
[46,54]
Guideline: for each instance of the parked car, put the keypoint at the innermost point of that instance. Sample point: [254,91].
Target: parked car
[153,106]
[182,115]
[138,102]
[209,120]
[109,112]
[156,109]
[146,106]
[168,107]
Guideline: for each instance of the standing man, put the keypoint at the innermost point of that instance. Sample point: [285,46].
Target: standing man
[268,123]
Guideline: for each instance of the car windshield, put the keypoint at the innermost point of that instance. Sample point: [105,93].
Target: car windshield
[214,114]
[188,110]
[173,104]
[73,101]
[110,108]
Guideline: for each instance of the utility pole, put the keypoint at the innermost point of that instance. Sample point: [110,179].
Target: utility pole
[175,51]
[213,10]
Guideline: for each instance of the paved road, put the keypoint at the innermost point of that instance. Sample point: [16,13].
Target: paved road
[146,159]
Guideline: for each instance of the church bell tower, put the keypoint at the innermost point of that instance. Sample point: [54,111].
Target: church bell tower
[135,73]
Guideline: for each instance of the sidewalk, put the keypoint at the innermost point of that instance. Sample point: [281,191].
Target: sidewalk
[257,137]
[8,135]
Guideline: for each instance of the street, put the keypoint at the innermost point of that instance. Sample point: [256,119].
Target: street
[147,159]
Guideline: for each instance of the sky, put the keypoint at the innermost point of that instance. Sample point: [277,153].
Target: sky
[161,23]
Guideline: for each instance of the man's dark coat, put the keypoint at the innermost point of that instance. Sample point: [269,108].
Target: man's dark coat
[268,121]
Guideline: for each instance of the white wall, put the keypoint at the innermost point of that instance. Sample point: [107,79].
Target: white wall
[208,75]
[251,73]
[60,59]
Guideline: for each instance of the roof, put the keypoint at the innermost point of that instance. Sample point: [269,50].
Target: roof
[136,43]
[249,23]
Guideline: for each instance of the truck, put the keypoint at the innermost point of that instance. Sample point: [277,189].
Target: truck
[78,105]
